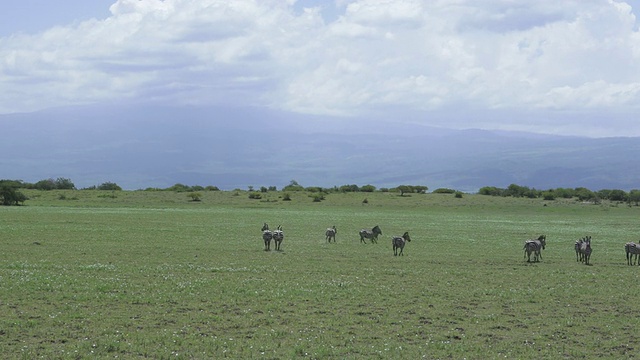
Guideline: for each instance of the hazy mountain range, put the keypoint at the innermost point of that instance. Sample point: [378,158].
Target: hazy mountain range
[157,146]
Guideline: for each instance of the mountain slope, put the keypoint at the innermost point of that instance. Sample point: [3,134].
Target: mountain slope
[139,147]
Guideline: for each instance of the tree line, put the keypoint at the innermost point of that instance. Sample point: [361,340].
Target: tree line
[10,194]
[580,193]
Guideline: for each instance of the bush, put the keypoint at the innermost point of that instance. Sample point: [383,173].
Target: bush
[286,197]
[255,195]
[458,194]
[444,191]
[195,196]
[109,186]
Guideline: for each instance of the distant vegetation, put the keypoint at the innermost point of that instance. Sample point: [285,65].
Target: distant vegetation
[10,194]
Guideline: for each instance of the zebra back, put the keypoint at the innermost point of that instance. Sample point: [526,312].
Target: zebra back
[632,248]
[278,234]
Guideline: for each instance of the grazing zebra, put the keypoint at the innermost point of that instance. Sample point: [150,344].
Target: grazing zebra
[583,248]
[331,233]
[399,242]
[267,235]
[535,246]
[632,249]
[278,236]
[370,234]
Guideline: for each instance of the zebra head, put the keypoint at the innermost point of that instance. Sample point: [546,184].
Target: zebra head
[376,230]
[543,240]
[406,236]
[265,227]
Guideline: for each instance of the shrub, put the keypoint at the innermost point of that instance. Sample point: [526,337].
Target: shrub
[109,186]
[255,195]
[444,191]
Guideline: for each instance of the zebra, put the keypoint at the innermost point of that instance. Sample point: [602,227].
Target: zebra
[278,236]
[632,249]
[535,246]
[267,235]
[583,247]
[398,242]
[331,234]
[577,246]
[370,234]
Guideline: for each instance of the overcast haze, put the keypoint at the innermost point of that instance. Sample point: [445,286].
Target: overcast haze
[561,67]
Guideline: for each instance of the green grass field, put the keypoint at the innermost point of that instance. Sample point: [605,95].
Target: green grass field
[153,275]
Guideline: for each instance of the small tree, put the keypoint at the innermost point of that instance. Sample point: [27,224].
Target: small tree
[9,196]
[195,196]
[293,186]
[47,184]
[634,196]
[368,188]
[404,189]
[64,184]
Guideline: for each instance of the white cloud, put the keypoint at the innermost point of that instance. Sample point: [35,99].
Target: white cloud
[375,56]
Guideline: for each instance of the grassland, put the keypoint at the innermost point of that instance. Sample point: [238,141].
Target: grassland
[154,275]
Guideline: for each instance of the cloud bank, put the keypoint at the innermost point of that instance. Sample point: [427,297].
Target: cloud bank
[570,66]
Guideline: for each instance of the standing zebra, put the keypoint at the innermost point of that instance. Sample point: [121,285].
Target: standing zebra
[267,235]
[278,236]
[535,246]
[632,249]
[331,233]
[370,234]
[578,245]
[583,248]
[399,242]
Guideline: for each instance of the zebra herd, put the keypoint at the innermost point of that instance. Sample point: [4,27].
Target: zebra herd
[582,247]
[397,242]
[531,246]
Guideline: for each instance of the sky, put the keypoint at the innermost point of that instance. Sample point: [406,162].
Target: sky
[568,67]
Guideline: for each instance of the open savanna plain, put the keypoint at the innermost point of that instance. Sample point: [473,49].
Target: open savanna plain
[143,274]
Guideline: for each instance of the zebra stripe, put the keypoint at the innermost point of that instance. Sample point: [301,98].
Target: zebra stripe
[370,234]
[331,234]
[583,249]
[267,235]
[632,249]
[278,236]
[398,242]
[535,246]
[577,246]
